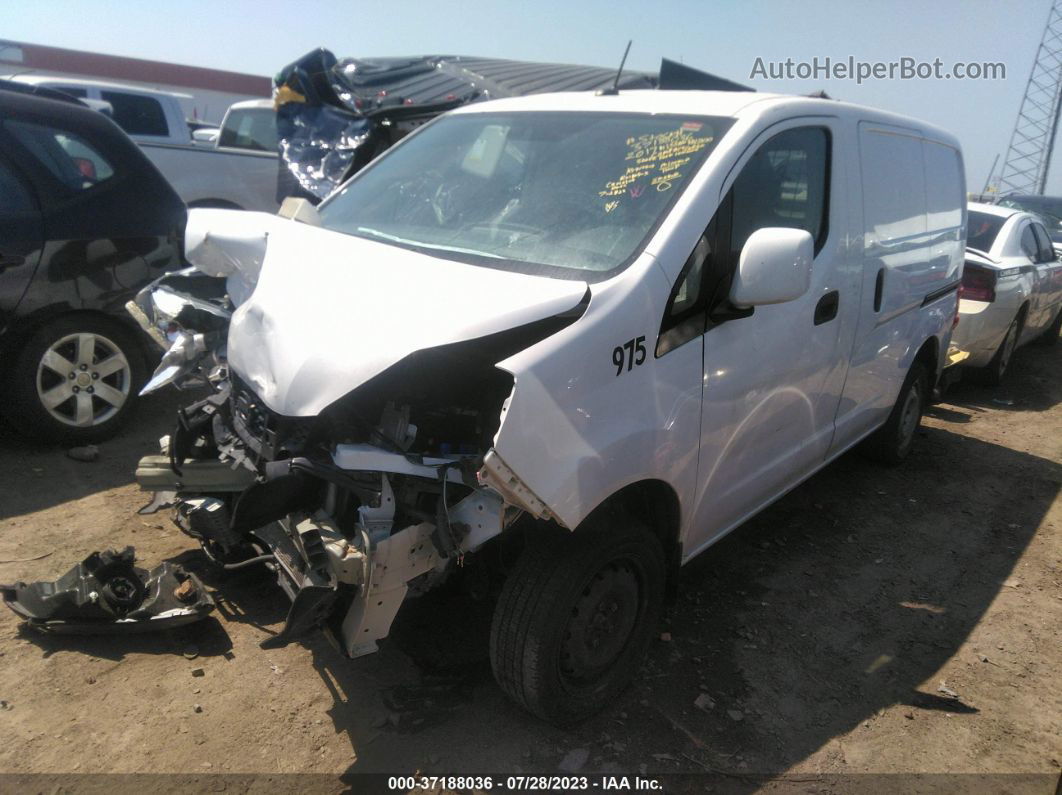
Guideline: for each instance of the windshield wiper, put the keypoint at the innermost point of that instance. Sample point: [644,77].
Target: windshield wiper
[420,244]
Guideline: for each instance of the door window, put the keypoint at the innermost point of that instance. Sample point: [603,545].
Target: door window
[785,184]
[250,129]
[72,160]
[684,317]
[1043,241]
[1028,244]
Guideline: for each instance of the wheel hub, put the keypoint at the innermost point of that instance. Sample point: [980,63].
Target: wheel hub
[83,379]
[909,422]
[602,622]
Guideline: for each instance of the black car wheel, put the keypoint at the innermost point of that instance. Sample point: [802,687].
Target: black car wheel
[1051,333]
[576,617]
[992,374]
[76,380]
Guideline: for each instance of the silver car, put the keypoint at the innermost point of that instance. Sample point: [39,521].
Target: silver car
[1011,289]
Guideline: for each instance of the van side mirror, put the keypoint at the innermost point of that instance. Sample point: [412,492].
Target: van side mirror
[301,210]
[774,267]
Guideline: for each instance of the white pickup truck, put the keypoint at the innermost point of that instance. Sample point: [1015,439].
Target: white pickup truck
[238,171]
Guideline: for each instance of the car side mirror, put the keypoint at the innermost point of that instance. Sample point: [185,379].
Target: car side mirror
[205,135]
[774,267]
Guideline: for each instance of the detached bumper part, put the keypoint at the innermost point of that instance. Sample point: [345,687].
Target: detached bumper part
[107,594]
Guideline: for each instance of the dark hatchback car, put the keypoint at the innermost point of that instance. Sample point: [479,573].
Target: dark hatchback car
[85,222]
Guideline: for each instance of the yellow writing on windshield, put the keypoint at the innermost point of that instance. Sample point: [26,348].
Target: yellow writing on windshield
[656,156]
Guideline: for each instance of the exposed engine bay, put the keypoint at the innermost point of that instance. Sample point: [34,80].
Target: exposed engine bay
[382,494]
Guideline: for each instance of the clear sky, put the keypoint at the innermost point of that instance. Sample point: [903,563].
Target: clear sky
[724,37]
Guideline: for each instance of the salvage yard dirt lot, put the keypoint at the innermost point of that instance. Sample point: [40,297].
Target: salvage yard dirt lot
[874,620]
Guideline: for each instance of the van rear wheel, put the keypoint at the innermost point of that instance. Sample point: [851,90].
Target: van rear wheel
[576,617]
[892,443]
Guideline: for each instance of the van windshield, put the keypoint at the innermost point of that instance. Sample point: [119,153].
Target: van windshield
[561,194]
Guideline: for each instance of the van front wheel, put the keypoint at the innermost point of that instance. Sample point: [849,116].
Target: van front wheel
[891,443]
[576,617]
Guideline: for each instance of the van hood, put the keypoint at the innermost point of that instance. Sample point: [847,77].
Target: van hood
[330,311]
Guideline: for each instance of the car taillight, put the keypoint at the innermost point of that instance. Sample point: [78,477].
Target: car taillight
[978,284]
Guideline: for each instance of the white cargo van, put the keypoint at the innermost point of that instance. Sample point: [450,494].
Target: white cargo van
[593,333]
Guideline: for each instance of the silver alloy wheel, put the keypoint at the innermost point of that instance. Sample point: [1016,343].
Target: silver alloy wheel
[83,380]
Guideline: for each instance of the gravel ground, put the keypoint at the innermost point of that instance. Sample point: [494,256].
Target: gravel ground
[874,621]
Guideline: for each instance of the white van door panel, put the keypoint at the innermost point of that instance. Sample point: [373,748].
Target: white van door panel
[912,251]
[772,380]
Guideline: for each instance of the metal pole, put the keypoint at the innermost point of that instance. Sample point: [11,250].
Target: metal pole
[991,171]
[1041,188]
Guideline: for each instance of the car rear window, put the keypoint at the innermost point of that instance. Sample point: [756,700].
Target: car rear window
[137,114]
[981,230]
[72,160]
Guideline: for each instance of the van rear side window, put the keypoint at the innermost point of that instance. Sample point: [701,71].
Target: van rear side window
[894,194]
[944,181]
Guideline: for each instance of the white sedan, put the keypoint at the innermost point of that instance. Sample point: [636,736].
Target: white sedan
[1011,289]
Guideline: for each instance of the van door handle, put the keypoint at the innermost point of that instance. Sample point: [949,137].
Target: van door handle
[879,288]
[826,308]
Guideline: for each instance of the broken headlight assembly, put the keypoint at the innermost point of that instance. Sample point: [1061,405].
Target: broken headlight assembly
[187,314]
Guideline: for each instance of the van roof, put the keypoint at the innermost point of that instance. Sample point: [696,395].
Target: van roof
[702,103]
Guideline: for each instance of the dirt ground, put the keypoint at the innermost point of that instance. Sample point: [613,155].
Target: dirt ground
[887,621]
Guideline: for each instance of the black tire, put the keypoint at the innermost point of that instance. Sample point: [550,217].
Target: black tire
[31,379]
[1051,334]
[992,373]
[892,443]
[558,663]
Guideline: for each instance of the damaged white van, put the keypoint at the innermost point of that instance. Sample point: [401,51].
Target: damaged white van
[560,344]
